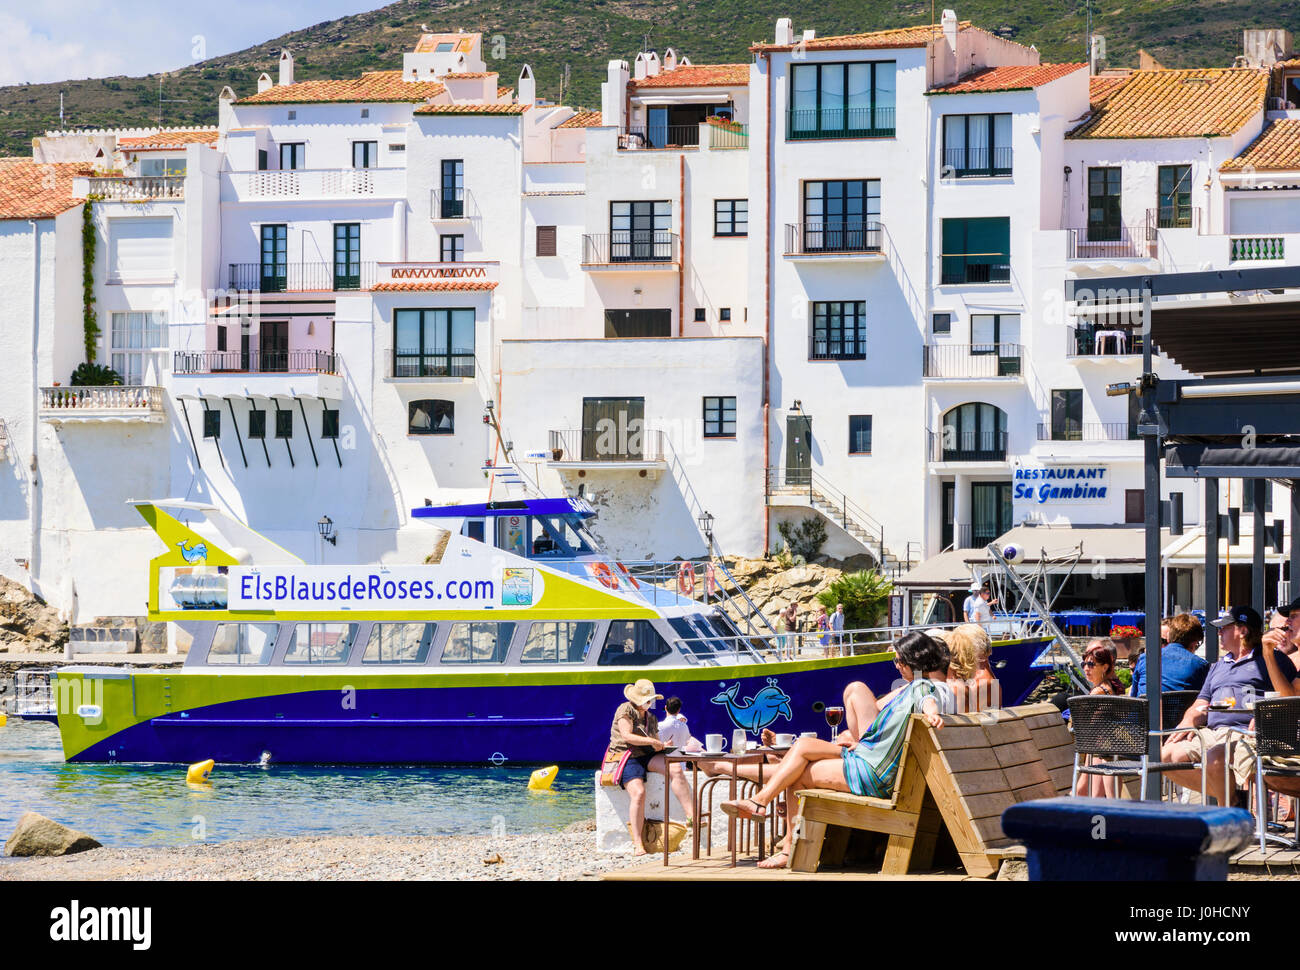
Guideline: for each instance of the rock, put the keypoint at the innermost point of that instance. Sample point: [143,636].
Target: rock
[38,835]
[1013,870]
[493,859]
[27,624]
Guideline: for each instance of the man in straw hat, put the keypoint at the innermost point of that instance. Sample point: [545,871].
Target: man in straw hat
[636,728]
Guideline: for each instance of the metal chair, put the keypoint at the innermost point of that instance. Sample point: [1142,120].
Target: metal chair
[1174,704]
[1107,726]
[1277,736]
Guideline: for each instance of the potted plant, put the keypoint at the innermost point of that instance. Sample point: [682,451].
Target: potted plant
[1128,640]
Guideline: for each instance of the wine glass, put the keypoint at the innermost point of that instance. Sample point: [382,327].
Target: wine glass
[834,715]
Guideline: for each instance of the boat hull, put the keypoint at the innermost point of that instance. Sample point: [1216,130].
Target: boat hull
[461,717]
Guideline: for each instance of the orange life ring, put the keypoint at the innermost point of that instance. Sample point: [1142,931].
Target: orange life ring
[710,580]
[686,579]
[630,578]
[606,576]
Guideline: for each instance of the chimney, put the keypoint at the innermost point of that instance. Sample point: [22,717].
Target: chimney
[613,94]
[286,67]
[1264,48]
[264,83]
[809,35]
[670,60]
[526,89]
[1097,55]
[639,67]
[784,32]
[949,22]
[652,63]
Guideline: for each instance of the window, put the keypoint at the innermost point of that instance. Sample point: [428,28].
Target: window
[293,115]
[141,249]
[839,331]
[940,323]
[320,643]
[453,248]
[262,161]
[365,154]
[1174,201]
[173,167]
[275,258]
[443,47]
[284,424]
[212,424]
[1248,497]
[859,434]
[976,145]
[293,156]
[453,188]
[841,216]
[976,251]
[546,241]
[997,334]
[557,643]
[132,339]
[347,256]
[243,643]
[631,643]
[1067,415]
[724,314]
[700,314]
[478,643]
[433,343]
[256,424]
[731,217]
[974,432]
[1105,221]
[640,231]
[399,643]
[639,323]
[221,339]
[397,147]
[329,423]
[613,428]
[719,417]
[431,417]
[365,112]
[841,100]
[1134,506]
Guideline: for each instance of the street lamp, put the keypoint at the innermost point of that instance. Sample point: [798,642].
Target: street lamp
[706,526]
[326,528]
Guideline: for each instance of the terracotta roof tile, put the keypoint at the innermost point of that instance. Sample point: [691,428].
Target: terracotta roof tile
[468,76]
[1277,149]
[583,119]
[1102,86]
[1198,103]
[697,76]
[32,191]
[471,108]
[170,139]
[504,92]
[917,36]
[434,286]
[372,86]
[1009,78]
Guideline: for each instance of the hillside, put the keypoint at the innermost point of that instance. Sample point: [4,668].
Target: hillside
[586,33]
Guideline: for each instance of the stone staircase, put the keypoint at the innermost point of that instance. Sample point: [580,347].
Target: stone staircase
[822,497]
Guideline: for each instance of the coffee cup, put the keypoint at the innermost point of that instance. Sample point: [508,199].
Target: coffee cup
[714,743]
[785,740]
[808,734]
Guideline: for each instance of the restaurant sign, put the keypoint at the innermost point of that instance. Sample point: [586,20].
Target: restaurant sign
[1057,484]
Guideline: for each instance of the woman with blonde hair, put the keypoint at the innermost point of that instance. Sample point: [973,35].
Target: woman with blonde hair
[971,645]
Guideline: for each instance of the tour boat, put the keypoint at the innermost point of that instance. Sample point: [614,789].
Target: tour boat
[511,645]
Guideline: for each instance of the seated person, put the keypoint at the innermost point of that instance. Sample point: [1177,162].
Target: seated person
[542,545]
[1099,668]
[982,689]
[635,727]
[673,730]
[1180,667]
[1244,670]
[864,759]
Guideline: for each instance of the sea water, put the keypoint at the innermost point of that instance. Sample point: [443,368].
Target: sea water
[139,805]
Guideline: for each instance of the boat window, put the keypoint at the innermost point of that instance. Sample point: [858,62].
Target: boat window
[398,643]
[243,643]
[632,642]
[693,637]
[473,529]
[320,643]
[512,534]
[478,643]
[558,643]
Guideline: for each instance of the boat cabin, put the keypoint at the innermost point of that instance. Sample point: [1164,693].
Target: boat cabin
[548,528]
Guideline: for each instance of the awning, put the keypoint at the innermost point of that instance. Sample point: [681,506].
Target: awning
[1188,550]
[948,569]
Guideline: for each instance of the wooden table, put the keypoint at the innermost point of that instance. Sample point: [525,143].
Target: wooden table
[754,756]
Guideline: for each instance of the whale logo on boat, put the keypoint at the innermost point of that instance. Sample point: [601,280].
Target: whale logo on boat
[198,554]
[757,712]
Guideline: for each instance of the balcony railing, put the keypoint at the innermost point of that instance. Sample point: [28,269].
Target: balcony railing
[630,246]
[843,345]
[1109,431]
[1251,248]
[972,361]
[449,204]
[122,401]
[1112,242]
[412,363]
[1176,217]
[320,183]
[975,268]
[968,536]
[300,277]
[1102,342]
[949,445]
[833,236]
[659,136]
[974,162]
[256,362]
[839,123]
[133,188]
[598,445]
[728,134]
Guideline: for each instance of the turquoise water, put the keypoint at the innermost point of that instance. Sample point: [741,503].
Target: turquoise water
[136,805]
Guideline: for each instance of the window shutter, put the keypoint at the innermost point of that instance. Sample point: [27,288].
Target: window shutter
[545,240]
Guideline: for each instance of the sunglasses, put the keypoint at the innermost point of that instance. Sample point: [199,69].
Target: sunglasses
[1091,663]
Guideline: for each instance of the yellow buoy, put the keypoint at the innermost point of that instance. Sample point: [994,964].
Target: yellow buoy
[541,779]
[4,719]
[198,773]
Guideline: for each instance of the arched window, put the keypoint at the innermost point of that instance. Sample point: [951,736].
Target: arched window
[975,432]
[431,417]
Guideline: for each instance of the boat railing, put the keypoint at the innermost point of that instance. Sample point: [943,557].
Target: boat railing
[33,693]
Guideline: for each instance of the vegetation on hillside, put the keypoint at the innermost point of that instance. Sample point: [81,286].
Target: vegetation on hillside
[585,34]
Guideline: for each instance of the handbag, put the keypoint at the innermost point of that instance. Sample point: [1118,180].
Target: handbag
[612,765]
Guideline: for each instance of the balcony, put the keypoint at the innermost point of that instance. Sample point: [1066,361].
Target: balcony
[834,240]
[1256,248]
[973,362]
[1110,431]
[971,446]
[413,367]
[976,162]
[312,184]
[725,134]
[1117,242]
[258,373]
[138,188]
[807,123]
[452,205]
[659,136]
[631,249]
[642,449]
[300,277]
[118,403]
[975,268]
[841,345]
[1102,342]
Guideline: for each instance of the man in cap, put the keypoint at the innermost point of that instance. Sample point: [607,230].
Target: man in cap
[969,604]
[1242,675]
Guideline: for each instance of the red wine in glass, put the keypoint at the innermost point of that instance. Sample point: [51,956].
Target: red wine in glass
[834,715]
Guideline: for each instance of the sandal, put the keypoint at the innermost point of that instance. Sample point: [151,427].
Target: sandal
[771,861]
[744,808]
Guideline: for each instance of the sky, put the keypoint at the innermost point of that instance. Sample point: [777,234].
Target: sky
[56,40]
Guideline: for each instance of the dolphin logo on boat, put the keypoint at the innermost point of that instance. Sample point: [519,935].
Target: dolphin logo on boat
[757,712]
[198,554]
